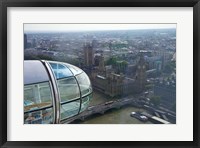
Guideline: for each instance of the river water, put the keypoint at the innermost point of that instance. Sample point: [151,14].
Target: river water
[115,116]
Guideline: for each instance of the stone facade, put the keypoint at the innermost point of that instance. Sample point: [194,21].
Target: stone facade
[113,84]
[88,55]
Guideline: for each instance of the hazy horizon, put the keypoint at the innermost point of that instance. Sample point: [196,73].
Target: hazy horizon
[53,28]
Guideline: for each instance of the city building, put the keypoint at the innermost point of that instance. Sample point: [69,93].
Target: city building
[88,55]
[141,73]
[166,90]
[105,80]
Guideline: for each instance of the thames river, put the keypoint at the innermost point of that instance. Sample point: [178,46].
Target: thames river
[115,116]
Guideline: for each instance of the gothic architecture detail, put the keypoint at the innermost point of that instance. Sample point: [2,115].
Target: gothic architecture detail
[113,84]
[140,76]
[88,55]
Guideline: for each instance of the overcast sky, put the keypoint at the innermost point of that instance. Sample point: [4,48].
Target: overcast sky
[91,27]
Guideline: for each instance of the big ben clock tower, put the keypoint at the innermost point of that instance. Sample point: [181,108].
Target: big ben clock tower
[141,74]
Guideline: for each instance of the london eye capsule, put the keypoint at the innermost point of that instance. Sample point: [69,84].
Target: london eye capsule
[54,91]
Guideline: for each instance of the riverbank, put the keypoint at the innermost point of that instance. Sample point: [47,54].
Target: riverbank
[114,116]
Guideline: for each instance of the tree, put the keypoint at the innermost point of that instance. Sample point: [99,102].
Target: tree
[124,64]
[155,100]
[169,67]
[149,86]
[111,61]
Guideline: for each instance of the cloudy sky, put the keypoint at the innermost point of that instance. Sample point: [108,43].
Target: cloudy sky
[91,27]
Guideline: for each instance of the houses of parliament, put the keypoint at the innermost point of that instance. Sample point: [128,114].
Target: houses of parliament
[107,81]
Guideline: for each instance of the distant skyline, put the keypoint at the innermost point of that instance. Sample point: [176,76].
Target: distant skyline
[92,27]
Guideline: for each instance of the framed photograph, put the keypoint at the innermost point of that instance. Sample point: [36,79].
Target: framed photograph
[84,73]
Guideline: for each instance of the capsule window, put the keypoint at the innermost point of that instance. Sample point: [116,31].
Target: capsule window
[38,103]
[68,89]
[60,70]
[85,102]
[69,109]
[84,83]
[75,70]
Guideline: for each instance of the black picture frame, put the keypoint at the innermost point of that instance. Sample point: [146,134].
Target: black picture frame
[98,3]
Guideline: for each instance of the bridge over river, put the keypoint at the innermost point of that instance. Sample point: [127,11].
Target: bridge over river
[102,108]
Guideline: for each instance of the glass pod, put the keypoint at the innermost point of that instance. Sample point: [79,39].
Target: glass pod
[54,91]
